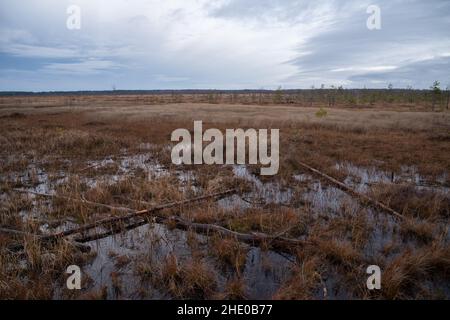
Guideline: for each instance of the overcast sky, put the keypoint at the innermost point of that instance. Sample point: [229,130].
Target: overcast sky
[223,44]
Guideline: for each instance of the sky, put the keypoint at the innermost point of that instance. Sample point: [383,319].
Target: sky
[222,44]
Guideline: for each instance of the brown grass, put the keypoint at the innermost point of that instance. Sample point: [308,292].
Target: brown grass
[403,274]
[304,282]
[191,279]
[230,252]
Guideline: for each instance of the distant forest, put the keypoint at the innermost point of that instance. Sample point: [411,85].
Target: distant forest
[434,97]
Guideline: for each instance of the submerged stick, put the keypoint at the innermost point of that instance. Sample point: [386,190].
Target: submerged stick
[256,239]
[133,213]
[353,192]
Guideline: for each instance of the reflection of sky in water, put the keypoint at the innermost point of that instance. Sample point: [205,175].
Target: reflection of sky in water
[156,241]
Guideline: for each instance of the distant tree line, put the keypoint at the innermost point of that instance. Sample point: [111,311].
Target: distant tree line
[434,97]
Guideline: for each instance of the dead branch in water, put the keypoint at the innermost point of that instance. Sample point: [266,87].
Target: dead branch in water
[344,187]
[255,239]
[277,242]
[133,214]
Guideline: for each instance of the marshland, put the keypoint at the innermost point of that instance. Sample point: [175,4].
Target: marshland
[87,180]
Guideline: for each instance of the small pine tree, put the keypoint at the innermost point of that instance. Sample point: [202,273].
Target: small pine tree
[278,97]
[321,113]
[448,94]
[436,93]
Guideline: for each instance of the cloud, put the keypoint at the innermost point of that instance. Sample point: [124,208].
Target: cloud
[367,69]
[86,67]
[349,53]
[31,51]
[419,74]
[223,44]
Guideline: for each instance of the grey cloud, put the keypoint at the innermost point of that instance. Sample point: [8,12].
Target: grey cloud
[250,9]
[83,67]
[411,30]
[222,44]
[420,74]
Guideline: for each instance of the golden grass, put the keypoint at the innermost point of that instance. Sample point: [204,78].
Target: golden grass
[403,274]
[191,279]
[229,252]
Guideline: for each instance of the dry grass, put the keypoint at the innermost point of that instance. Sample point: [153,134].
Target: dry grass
[235,289]
[229,252]
[188,280]
[402,275]
[304,283]
[422,204]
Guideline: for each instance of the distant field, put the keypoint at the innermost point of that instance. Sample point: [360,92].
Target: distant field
[393,115]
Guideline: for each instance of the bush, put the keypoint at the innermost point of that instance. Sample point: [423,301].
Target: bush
[321,113]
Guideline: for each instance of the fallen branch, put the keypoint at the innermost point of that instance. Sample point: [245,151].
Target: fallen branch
[351,191]
[95,165]
[112,231]
[135,214]
[256,239]
[245,199]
